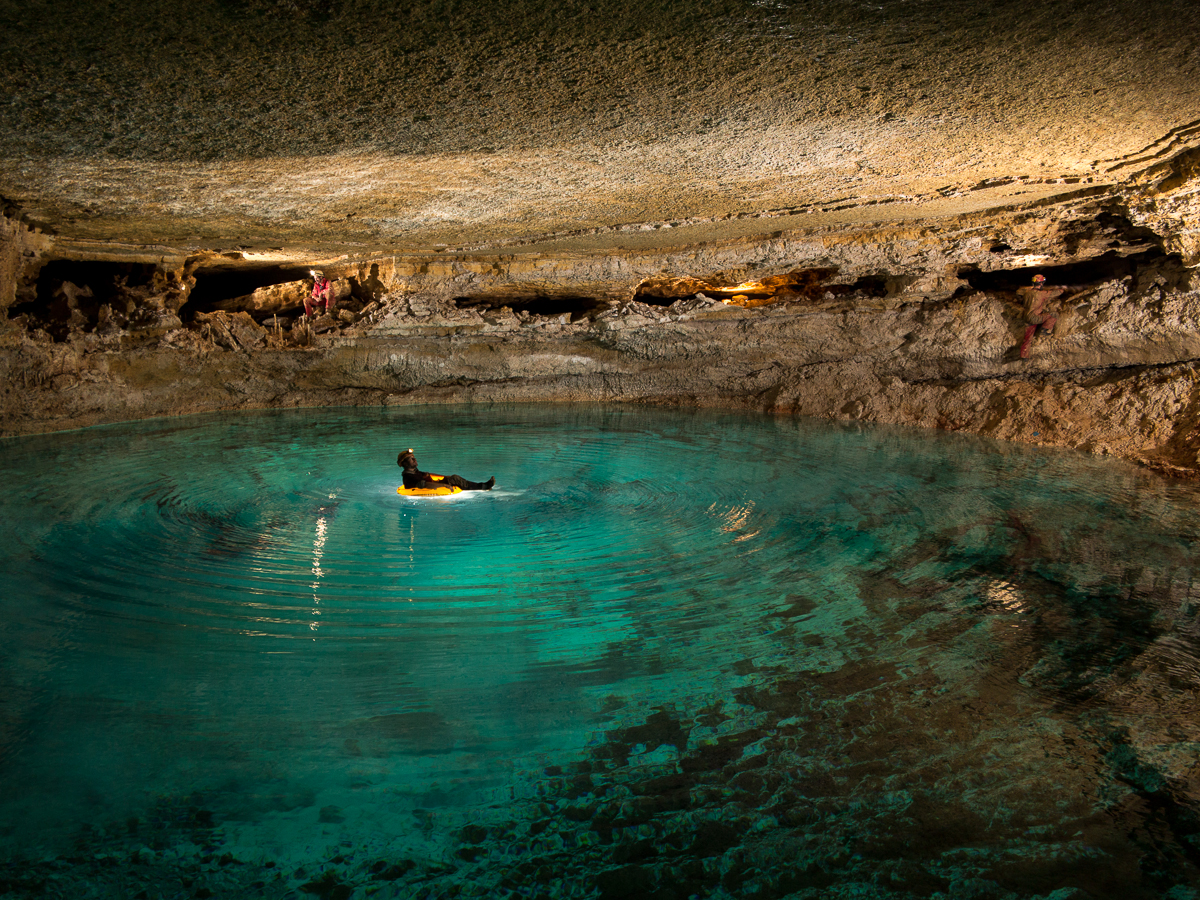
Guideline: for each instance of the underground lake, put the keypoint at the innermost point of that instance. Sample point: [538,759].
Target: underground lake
[673,653]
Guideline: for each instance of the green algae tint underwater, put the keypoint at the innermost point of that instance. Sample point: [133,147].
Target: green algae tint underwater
[673,654]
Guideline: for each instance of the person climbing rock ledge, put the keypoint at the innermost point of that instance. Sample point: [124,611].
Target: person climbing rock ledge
[415,478]
[1037,311]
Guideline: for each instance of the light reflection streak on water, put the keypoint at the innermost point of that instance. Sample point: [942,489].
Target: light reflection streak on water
[412,543]
[735,520]
[318,551]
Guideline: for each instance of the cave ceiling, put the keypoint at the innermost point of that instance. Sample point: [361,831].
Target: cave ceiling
[355,127]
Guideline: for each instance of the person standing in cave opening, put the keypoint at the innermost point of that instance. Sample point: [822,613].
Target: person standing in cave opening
[1037,312]
[415,478]
[322,291]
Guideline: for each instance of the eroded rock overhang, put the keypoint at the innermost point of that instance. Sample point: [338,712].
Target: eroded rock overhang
[906,321]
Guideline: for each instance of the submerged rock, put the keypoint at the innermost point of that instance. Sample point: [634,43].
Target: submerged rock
[331,814]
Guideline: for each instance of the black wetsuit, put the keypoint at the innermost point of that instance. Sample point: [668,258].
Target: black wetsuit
[415,478]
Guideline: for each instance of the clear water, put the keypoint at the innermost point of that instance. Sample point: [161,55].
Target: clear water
[673,654]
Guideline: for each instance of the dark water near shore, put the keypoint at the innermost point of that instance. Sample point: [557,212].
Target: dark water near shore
[672,654]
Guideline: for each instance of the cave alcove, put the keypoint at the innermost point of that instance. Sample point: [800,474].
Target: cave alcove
[69,294]
[218,284]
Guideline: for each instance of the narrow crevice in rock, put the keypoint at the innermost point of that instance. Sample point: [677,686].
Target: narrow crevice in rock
[1144,267]
[798,285]
[1114,227]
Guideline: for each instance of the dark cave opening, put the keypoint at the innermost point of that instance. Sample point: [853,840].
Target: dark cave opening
[868,285]
[105,279]
[1142,267]
[215,286]
[96,296]
[71,294]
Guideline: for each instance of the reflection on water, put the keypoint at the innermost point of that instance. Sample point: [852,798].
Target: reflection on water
[673,653]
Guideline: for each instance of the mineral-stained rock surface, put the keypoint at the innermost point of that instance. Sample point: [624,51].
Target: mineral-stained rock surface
[815,208]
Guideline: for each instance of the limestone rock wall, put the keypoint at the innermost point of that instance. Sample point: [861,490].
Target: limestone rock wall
[908,323]
[21,249]
[1165,199]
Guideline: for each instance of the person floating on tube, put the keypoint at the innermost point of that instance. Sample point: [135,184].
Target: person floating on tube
[415,478]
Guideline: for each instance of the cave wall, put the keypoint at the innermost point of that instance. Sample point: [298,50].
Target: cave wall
[906,323]
[21,255]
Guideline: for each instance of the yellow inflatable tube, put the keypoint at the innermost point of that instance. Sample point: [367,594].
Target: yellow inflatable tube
[427,491]
[439,491]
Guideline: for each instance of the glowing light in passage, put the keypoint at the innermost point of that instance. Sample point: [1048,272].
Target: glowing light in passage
[743,288]
[737,292]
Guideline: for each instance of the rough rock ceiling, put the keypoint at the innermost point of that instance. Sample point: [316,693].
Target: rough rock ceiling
[357,126]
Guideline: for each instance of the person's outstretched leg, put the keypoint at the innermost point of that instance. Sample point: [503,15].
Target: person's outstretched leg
[459,482]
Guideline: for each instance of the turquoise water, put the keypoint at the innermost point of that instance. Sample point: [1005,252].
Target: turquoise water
[672,654]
